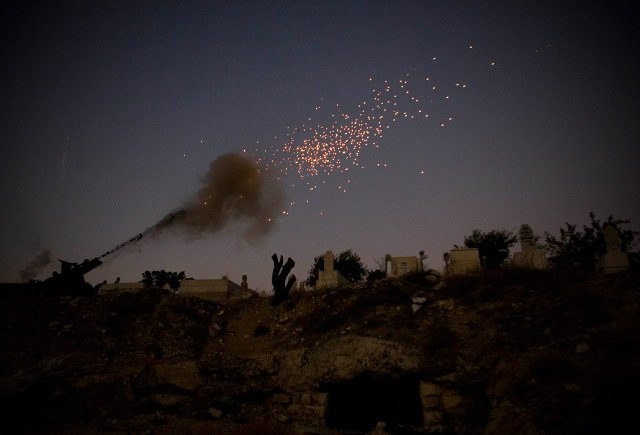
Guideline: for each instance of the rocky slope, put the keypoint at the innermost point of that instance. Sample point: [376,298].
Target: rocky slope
[511,352]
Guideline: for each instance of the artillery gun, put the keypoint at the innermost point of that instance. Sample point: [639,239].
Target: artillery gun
[70,280]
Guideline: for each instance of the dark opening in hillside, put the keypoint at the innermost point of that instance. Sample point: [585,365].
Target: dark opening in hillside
[358,404]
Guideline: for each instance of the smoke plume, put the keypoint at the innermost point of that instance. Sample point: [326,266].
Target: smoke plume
[235,189]
[34,267]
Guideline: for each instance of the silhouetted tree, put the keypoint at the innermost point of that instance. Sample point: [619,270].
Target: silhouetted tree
[493,246]
[279,276]
[348,263]
[380,271]
[147,278]
[575,248]
[158,278]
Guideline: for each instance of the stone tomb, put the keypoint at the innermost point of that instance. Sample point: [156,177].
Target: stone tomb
[461,261]
[398,266]
[329,277]
[214,289]
[531,256]
[613,260]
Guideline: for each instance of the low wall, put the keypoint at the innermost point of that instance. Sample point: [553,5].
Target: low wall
[120,287]
[210,289]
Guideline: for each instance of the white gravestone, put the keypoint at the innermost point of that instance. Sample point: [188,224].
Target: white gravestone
[614,260]
[329,277]
[530,256]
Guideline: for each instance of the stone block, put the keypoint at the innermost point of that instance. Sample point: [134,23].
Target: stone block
[429,389]
[281,398]
[317,410]
[215,413]
[381,428]
[185,376]
[432,418]
[533,259]
[331,278]
[294,409]
[613,262]
[451,400]
[433,401]
[166,400]
[320,399]
[305,399]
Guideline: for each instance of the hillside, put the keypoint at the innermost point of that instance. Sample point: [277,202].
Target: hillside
[516,351]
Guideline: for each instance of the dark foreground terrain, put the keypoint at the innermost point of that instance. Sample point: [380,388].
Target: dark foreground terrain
[512,352]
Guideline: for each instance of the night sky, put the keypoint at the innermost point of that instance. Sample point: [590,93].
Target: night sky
[112,112]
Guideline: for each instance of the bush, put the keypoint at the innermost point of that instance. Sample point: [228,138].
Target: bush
[574,248]
[493,246]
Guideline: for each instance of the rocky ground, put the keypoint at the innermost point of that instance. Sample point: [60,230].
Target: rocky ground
[514,351]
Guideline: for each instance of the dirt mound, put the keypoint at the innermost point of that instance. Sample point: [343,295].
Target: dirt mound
[512,351]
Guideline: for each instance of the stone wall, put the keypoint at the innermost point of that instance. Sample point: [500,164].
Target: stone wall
[307,408]
[120,287]
[209,289]
[437,404]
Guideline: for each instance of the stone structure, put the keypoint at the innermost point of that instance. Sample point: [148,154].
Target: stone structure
[347,377]
[398,266]
[461,261]
[310,386]
[210,289]
[438,401]
[530,256]
[120,287]
[613,260]
[214,289]
[329,277]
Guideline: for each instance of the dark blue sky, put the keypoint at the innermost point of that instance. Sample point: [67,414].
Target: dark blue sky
[112,112]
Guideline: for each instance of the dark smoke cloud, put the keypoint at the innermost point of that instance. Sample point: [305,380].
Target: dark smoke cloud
[32,269]
[235,189]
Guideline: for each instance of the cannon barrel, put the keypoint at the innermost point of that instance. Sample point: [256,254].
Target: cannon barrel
[86,266]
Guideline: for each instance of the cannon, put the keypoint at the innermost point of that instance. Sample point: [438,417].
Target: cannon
[70,280]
